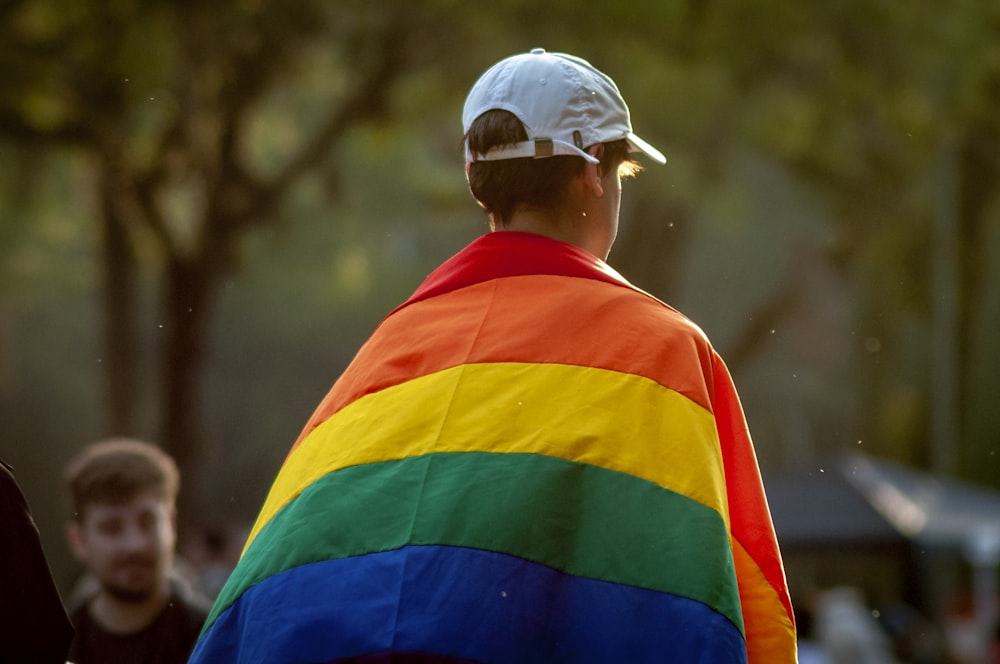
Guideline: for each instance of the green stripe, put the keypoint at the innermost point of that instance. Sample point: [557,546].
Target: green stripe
[580,519]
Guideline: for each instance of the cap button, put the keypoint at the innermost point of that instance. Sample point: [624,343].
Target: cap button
[537,51]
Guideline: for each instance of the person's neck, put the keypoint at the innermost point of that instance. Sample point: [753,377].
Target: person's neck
[124,617]
[571,229]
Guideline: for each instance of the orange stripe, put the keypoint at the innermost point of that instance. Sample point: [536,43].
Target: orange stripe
[570,321]
[770,632]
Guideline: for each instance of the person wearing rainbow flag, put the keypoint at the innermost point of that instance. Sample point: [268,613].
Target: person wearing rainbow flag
[530,460]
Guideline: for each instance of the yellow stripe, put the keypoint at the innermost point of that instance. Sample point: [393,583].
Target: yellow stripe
[610,419]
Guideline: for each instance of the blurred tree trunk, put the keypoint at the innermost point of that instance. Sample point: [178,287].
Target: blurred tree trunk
[188,307]
[120,319]
[977,194]
[166,117]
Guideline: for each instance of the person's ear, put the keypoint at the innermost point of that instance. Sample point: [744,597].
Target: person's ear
[592,172]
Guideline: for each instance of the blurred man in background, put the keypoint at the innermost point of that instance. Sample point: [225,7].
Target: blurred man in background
[123,531]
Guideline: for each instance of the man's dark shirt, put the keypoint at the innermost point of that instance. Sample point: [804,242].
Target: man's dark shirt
[169,639]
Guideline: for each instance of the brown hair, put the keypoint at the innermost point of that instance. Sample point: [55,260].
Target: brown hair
[504,185]
[113,471]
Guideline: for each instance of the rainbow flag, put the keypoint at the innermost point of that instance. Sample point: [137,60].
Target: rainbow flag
[530,460]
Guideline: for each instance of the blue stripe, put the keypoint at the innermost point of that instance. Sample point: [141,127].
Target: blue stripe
[464,604]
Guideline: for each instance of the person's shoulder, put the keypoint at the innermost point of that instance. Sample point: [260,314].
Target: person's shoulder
[184,617]
[187,600]
[657,317]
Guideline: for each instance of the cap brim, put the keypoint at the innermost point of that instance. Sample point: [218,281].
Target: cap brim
[639,145]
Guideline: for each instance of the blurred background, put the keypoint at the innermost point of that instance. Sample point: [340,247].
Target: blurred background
[205,207]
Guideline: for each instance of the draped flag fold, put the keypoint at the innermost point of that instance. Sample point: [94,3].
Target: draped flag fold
[530,460]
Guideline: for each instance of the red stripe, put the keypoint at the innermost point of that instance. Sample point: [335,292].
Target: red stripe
[511,254]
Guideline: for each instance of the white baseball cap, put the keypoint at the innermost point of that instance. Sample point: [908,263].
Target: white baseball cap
[564,103]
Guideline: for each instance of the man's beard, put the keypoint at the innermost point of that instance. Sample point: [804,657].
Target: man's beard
[132,594]
[129,595]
